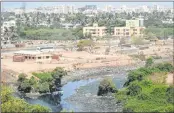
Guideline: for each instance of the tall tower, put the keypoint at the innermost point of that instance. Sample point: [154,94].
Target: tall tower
[23,7]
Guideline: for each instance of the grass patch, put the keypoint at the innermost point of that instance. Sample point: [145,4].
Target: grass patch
[45,76]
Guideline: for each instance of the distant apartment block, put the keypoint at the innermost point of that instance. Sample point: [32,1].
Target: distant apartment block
[127,32]
[135,22]
[69,25]
[132,28]
[95,31]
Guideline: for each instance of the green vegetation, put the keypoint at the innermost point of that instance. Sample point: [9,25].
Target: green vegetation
[137,40]
[146,90]
[149,62]
[106,86]
[64,111]
[78,33]
[153,32]
[12,104]
[85,43]
[47,34]
[45,82]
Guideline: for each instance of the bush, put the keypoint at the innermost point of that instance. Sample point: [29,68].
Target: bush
[21,77]
[136,75]
[149,62]
[6,93]
[33,81]
[38,108]
[159,91]
[11,104]
[44,77]
[127,110]
[170,94]
[106,86]
[25,86]
[167,67]
[58,72]
[134,89]
[44,87]
[144,96]
[84,43]
[137,40]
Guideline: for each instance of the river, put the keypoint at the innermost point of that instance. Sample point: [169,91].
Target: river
[80,96]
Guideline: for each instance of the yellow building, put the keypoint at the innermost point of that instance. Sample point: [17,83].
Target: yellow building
[95,31]
[120,32]
[132,28]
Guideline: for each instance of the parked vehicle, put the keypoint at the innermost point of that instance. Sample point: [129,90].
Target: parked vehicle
[45,49]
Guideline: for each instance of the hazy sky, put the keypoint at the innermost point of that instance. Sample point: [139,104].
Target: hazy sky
[7,5]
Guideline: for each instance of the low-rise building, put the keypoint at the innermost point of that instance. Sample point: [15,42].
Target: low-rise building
[95,30]
[120,32]
[133,28]
[35,56]
[69,25]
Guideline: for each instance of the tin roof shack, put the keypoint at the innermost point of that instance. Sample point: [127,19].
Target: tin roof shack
[35,56]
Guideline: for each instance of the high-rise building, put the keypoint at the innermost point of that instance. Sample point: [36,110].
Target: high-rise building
[108,8]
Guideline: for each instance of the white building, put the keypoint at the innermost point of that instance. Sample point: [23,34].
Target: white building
[61,9]
[108,8]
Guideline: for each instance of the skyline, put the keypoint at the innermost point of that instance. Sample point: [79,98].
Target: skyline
[29,5]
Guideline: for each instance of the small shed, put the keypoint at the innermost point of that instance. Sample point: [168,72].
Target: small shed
[19,45]
[56,57]
[18,58]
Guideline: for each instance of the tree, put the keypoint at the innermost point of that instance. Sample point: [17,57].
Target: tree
[85,43]
[57,74]
[78,32]
[106,86]
[149,62]
[38,108]
[88,36]
[44,87]
[12,104]
[149,35]
[25,86]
